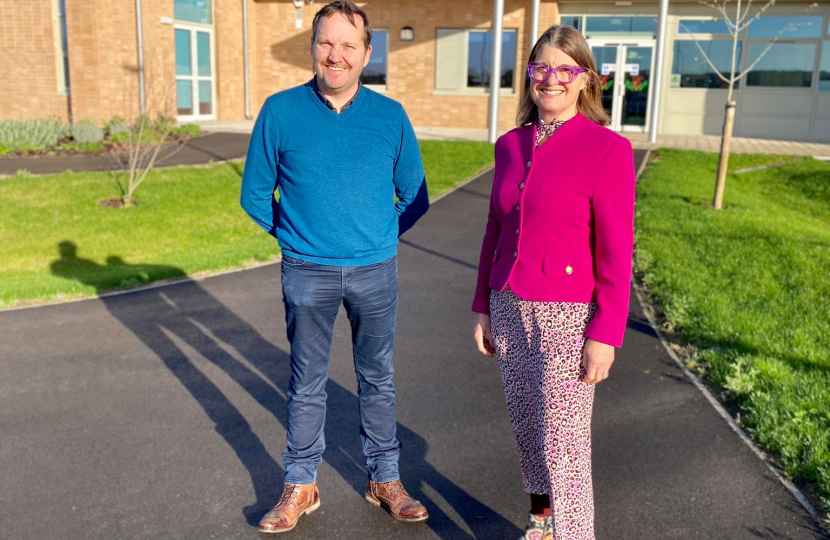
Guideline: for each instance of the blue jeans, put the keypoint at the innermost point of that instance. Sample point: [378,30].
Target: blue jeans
[312,294]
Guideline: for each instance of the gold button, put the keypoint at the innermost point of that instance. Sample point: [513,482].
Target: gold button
[522,185]
[569,270]
[515,254]
[517,208]
[517,232]
[529,163]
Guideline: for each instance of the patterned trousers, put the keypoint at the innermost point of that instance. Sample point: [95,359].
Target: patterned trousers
[539,349]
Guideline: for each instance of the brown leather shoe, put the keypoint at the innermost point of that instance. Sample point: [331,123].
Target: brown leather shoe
[393,498]
[296,500]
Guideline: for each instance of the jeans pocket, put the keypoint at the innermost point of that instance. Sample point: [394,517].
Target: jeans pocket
[292,262]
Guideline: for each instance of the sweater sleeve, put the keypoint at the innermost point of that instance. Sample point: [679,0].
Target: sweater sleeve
[409,179]
[259,181]
[613,213]
[481,300]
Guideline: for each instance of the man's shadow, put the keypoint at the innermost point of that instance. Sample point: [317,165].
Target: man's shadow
[194,316]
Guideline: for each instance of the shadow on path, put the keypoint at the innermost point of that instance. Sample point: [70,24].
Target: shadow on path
[194,316]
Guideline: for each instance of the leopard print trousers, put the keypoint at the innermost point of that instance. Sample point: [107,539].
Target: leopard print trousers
[539,349]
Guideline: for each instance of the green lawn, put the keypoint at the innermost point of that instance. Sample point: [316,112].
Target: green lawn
[58,243]
[749,286]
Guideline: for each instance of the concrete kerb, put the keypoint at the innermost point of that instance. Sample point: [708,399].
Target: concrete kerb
[792,488]
[648,309]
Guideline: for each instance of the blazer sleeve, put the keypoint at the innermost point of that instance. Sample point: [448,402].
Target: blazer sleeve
[481,301]
[613,213]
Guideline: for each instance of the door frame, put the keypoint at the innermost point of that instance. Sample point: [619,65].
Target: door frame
[195,77]
[619,86]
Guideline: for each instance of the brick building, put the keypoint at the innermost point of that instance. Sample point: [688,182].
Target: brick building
[79,59]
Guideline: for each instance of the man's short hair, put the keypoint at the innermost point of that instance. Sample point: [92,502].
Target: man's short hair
[348,10]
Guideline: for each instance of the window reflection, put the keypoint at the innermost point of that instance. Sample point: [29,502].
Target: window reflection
[193,10]
[479,59]
[693,69]
[824,73]
[787,27]
[692,26]
[375,71]
[785,65]
[571,20]
[632,26]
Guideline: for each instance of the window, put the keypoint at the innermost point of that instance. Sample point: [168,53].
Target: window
[463,57]
[692,26]
[824,73]
[198,11]
[61,47]
[374,73]
[479,58]
[571,20]
[785,65]
[645,26]
[693,69]
[787,27]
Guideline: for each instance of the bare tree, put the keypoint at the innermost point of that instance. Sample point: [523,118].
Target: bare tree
[146,135]
[744,17]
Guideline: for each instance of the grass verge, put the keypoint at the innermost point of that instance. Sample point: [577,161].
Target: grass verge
[58,243]
[748,288]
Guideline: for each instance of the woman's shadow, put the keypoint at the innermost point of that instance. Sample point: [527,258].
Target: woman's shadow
[194,316]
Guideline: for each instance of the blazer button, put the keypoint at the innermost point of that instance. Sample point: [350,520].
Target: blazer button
[517,232]
[515,254]
[569,270]
[522,185]
[517,208]
[529,163]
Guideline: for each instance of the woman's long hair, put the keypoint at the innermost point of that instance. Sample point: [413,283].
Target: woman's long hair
[568,40]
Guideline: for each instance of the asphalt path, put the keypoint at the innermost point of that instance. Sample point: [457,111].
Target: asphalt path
[160,414]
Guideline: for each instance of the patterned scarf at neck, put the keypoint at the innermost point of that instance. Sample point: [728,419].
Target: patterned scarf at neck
[542,128]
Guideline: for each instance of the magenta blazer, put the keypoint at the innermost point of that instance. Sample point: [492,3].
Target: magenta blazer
[561,223]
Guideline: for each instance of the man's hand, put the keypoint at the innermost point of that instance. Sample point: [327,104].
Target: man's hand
[483,335]
[597,358]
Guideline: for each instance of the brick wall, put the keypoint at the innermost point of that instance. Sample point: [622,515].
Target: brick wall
[281,54]
[28,63]
[230,66]
[103,56]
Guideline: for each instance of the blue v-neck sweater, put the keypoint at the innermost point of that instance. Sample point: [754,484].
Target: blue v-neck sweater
[337,176]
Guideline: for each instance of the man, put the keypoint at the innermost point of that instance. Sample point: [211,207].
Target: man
[338,153]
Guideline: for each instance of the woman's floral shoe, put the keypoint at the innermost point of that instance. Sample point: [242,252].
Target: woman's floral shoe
[538,528]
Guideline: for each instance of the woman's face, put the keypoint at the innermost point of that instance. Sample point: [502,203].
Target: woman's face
[553,99]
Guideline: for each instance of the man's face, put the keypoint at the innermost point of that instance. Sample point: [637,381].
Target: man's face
[339,55]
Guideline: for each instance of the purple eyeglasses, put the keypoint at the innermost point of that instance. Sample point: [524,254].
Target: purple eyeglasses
[541,72]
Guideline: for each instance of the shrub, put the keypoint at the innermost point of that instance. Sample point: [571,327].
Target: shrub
[86,132]
[115,126]
[191,130]
[31,134]
[164,124]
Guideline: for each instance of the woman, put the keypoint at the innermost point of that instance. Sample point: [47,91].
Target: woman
[554,275]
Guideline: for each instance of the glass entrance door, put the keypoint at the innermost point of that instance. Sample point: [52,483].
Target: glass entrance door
[625,77]
[194,73]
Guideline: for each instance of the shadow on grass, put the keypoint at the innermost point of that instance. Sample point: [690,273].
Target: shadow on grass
[194,316]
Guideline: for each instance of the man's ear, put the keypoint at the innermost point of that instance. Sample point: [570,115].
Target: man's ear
[368,55]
